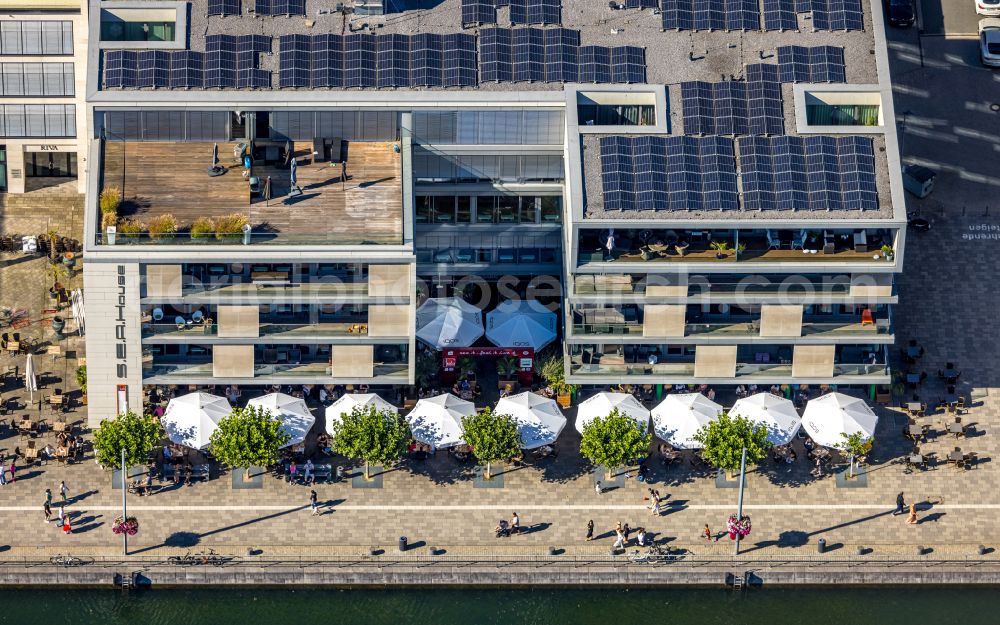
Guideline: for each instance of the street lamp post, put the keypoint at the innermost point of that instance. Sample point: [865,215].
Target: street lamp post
[739,505]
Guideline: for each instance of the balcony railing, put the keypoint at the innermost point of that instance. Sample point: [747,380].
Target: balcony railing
[248,290]
[267,330]
[584,286]
[750,371]
[751,328]
[204,370]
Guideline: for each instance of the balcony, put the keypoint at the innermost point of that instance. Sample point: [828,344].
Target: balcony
[683,372]
[302,373]
[269,332]
[304,292]
[738,329]
[733,246]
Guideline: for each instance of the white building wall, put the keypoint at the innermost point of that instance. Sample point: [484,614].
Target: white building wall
[114,352]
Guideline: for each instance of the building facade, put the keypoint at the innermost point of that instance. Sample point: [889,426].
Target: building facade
[296,177]
[43,74]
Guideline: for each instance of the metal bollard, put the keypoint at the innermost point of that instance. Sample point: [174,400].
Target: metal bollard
[821,545]
[402,543]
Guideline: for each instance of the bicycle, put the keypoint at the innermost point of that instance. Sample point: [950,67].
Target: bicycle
[201,558]
[653,553]
[62,560]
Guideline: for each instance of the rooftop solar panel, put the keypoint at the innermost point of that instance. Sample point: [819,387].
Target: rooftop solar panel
[185,69]
[294,61]
[154,69]
[425,60]
[561,54]
[495,55]
[478,12]
[393,60]
[359,61]
[628,64]
[458,52]
[223,7]
[528,55]
[677,15]
[120,68]
[780,15]
[326,68]
[594,64]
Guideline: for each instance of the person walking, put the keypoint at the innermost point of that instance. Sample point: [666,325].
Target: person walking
[900,505]
[48,497]
[590,529]
[598,487]
[619,539]
[13,469]
[63,490]
[912,519]
[47,509]
[515,523]
[67,527]
[626,530]
[3,471]
[654,505]
[61,515]
[707,533]
[313,502]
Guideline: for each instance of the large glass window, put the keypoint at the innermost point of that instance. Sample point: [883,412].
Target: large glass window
[529,210]
[116,30]
[36,38]
[37,120]
[551,209]
[50,164]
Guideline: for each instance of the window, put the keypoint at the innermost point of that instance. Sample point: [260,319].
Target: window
[36,79]
[37,120]
[551,209]
[36,38]
[485,207]
[529,210]
[463,210]
[116,28]
[424,209]
[50,164]
[444,209]
[507,209]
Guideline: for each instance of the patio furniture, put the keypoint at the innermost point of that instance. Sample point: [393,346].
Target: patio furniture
[956,456]
[916,432]
[956,428]
[916,461]
[867,318]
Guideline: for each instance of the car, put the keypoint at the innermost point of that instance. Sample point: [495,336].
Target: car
[901,13]
[988,7]
[989,41]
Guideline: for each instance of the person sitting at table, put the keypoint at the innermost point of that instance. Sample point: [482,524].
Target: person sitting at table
[47,453]
[17,453]
[308,471]
[61,439]
[710,394]
[168,454]
[323,395]
[293,471]
[741,391]
[147,487]
[752,389]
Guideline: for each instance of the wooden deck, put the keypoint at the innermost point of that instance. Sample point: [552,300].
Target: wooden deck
[170,177]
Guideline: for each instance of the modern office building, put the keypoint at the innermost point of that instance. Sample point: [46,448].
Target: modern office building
[43,73]
[585,155]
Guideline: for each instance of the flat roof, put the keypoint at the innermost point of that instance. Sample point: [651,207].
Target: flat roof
[671,57]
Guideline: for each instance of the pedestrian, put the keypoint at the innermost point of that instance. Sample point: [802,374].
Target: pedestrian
[642,537]
[312,502]
[626,530]
[3,471]
[707,533]
[515,523]
[900,505]
[63,490]
[48,496]
[912,519]
[308,476]
[619,540]
[61,515]
[654,506]
[13,468]
[47,509]
[598,487]
[67,528]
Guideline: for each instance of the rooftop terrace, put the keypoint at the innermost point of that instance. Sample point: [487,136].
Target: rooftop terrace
[170,178]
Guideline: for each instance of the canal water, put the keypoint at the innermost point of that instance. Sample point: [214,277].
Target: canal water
[772,606]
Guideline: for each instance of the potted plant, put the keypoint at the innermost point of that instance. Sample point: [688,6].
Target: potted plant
[506,371]
[163,227]
[202,228]
[110,199]
[130,229]
[55,246]
[81,380]
[742,247]
[888,253]
[720,248]
[681,247]
[230,227]
[646,254]
[466,366]
[553,370]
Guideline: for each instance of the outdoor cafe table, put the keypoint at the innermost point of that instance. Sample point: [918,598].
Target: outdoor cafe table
[913,406]
[951,374]
[913,351]
[955,456]
[916,459]
[913,378]
[955,428]
[916,432]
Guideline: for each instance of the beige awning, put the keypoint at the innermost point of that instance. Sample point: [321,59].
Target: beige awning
[232,361]
[715,361]
[352,361]
[871,285]
[389,281]
[388,321]
[664,320]
[666,286]
[813,361]
[781,320]
[164,281]
[239,322]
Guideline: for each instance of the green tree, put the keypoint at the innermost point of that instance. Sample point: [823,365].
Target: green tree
[855,445]
[373,435]
[614,441]
[723,440]
[493,437]
[248,437]
[136,434]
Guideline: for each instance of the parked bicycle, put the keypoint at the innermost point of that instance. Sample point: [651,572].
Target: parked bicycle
[201,558]
[653,553]
[62,560]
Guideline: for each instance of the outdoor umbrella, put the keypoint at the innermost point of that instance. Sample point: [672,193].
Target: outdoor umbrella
[190,419]
[215,155]
[348,403]
[292,174]
[30,381]
[449,322]
[775,413]
[539,420]
[679,417]
[521,323]
[829,418]
[602,404]
[296,418]
[437,421]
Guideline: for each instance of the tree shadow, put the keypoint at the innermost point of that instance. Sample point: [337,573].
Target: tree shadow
[791,475]
[441,471]
[182,539]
